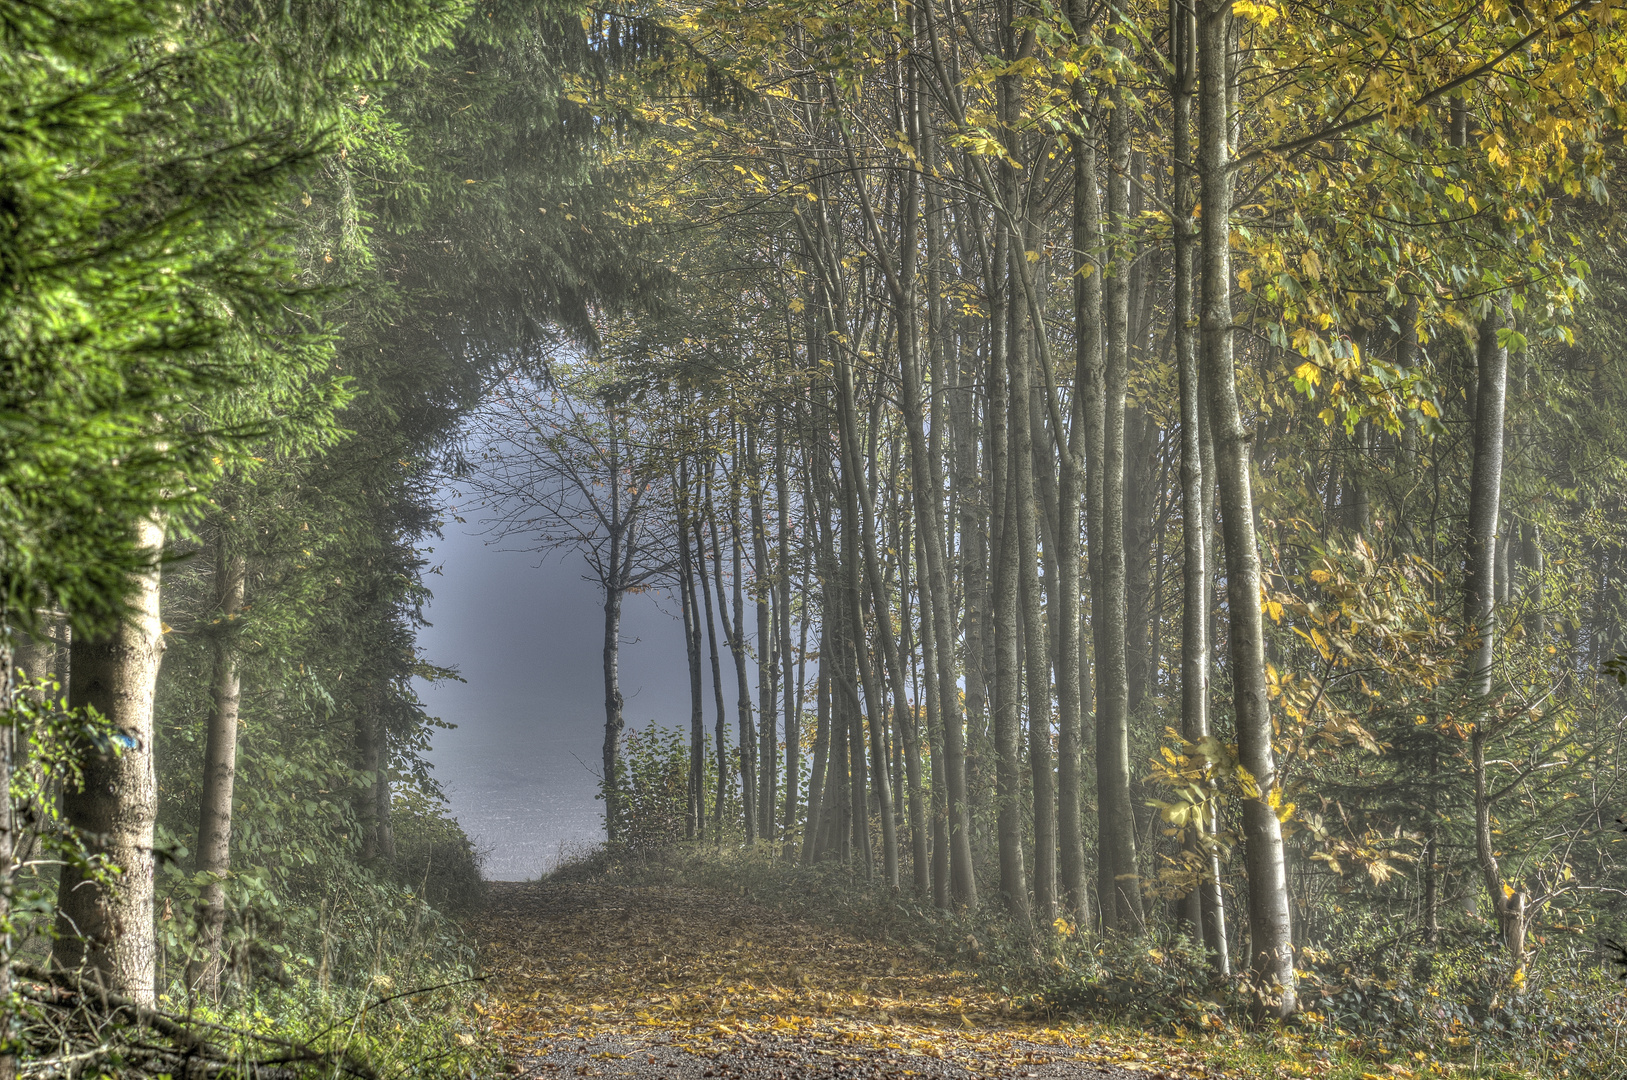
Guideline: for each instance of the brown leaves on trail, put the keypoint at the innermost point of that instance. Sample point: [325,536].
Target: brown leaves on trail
[704,972]
[612,957]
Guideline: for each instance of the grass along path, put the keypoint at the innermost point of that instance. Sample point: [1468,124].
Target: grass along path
[683,983]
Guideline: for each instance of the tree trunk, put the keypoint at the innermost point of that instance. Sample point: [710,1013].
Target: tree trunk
[613,720]
[818,778]
[108,931]
[854,670]
[768,749]
[1021,530]
[214,850]
[1141,450]
[610,782]
[1204,911]
[1070,688]
[695,828]
[9,738]
[793,689]
[1535,621]
[734,635]
[1270,937]
[1007,717]
[1120,886]
[1480,601]
[721,730]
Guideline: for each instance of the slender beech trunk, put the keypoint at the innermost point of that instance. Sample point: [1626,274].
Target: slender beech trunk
[1007,717]
[1120,886]
[695,828]
[108,930]
[855,678]
[859,510]
[734,633]
[1022,529]
[818,778]
[1535,621]
[610,783]
[613,721]
[768,749]
[1480,607]
[972,495]
[793,687]
[721,729]
[1270,937]
[819,541]
[907,713]
[1070,688]
[1204,909]
[946,411]
[8,829]
[214,850]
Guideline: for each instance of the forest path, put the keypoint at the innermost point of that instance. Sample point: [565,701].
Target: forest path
[683,984]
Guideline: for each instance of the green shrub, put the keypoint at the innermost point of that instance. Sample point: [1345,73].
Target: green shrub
[434,856]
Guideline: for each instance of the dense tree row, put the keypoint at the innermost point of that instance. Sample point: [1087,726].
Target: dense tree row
[1138,459]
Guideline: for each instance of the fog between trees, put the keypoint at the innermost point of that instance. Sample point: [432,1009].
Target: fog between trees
[1135,469]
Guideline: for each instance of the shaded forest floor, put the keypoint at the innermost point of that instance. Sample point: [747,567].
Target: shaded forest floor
[685,983]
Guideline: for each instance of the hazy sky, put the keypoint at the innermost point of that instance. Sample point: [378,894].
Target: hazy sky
[527,635]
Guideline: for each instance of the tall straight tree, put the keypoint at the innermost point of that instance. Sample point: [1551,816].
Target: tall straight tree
[1117,864]
[1271,957]
[220,764]
[1203,909]
[1480,603]
[105,929]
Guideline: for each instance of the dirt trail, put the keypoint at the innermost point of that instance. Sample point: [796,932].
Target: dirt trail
[683,984]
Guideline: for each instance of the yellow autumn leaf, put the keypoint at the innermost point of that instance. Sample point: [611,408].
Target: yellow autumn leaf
[1261,14]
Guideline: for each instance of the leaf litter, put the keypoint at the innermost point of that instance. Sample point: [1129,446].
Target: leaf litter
[669,981]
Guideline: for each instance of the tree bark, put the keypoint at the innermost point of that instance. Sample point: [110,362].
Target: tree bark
[1120,885]
[1071,689]
[214,850]
[1270,937]
[854,676]
[734,636]
[1022,530]
[768,749]
[613,719]
[721,730]
[9,733]
[695,828]
[793,688]
[1204,912]
[1007,714]
[1480,602]
[107,931]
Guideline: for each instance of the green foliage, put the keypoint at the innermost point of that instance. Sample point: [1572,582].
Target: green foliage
[140,279]
[654,785]
[54,742]
[434,856]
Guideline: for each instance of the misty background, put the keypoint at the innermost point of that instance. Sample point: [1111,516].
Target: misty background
[526,633]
